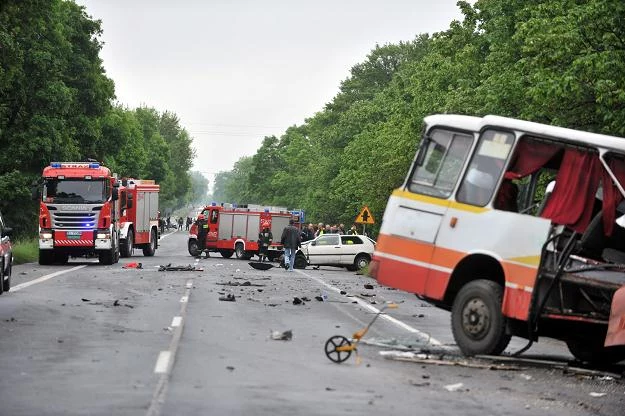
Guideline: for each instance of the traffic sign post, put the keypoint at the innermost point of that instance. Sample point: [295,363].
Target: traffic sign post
[365,217]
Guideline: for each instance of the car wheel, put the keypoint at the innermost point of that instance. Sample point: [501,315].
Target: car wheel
[477,323]
[2,277]
[6,283]
[361,261]
[151,247]
[127,245]
[300,261]
[238,251]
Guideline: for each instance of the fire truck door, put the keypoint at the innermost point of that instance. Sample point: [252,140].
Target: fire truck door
[213,225]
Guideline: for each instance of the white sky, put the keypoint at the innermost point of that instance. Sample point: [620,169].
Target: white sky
[235,71]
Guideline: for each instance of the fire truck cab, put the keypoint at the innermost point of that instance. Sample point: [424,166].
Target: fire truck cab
[516,228]
[234,229]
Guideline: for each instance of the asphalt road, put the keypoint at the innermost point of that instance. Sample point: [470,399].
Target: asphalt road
[85,339]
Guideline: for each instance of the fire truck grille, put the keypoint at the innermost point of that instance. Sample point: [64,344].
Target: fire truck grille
[74,220]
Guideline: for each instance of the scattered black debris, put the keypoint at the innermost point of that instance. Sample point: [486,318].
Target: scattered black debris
[367,295]
[343,292]
[187,268]
[86,300]
[129,306]
[246,283]
[116,303]
[368,286]
[228,298]
[260,266]
[305,299]
[23,273]
[272,304]
[419,315]
[282,335]
[319,298]
[422,384]
[260,290]
[297,301]
[60,341]
[231,368]
[330,389]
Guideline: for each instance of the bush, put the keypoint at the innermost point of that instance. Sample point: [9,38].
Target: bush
[26,251]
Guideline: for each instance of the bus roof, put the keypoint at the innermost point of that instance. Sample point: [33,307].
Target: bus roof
[477,124]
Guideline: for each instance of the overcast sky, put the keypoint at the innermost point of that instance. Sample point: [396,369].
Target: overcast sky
[235,71]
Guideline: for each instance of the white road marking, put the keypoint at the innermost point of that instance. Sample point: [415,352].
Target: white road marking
[176,321]
[422,335]
[162,364]
[44,278]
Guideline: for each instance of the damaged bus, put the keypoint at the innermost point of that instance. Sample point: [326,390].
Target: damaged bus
[515,227]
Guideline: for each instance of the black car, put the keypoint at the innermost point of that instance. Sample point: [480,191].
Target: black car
[6,256]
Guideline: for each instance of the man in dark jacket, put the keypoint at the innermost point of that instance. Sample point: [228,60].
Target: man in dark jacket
[291,241]
[202,231]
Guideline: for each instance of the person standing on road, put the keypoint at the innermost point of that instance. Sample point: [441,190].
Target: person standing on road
[265,238]
[188,223]
[180,223]
[291,241]
[202,231]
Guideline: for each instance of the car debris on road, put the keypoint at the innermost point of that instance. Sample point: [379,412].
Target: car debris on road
[187,268]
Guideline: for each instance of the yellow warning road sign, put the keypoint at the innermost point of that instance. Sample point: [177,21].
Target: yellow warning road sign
[365,217]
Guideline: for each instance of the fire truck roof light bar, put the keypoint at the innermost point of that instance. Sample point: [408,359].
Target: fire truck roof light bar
[90,165]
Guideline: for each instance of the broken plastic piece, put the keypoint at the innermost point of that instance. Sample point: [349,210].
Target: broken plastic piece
[282,336]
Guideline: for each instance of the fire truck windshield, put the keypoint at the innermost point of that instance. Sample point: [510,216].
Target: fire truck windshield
[74,191]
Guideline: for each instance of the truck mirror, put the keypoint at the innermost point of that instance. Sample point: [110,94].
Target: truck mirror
[115,194]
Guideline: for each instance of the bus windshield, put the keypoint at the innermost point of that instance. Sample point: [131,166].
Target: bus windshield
[74,191]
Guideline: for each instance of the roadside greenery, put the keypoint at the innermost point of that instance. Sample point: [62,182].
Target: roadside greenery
[25,250]
[560,62]
[57,104]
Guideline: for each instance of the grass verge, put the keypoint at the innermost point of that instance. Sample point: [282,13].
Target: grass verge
[25,251]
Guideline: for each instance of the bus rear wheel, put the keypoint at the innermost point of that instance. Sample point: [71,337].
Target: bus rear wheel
[477,323]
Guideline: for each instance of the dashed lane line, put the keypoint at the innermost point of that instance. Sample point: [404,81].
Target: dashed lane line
[165,361]
[420,334]
[44,278]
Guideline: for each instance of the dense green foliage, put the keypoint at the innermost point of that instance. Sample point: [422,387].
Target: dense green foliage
[56,104]
[554,61]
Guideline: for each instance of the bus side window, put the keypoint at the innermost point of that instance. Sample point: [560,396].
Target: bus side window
[486,168]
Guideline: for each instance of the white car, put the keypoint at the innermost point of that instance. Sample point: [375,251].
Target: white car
[351,251]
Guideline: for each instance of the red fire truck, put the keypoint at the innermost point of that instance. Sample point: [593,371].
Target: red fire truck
[81,213]
[234,229]
[139,220]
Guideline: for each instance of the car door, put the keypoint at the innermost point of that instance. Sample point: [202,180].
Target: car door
[325,249]
[351,245]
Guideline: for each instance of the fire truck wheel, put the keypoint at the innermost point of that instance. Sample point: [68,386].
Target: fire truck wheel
[46,257]
[595,352]
[61,258]
[239,251]
[127,245]
[226,254]
[193,247]
[150,249]
[477,323]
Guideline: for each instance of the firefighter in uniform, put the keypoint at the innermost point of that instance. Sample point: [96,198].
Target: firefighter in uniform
[202,231]
[265,238]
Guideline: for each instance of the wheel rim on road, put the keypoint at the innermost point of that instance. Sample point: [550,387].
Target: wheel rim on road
[476,318]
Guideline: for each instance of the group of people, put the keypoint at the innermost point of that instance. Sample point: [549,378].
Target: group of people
[313,231]
[179,223]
